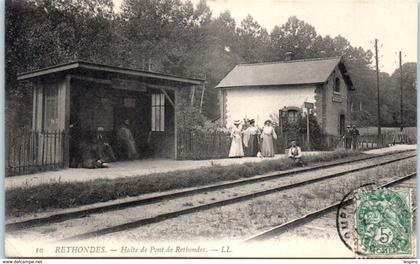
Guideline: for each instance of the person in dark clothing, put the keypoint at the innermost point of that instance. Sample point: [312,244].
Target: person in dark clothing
[103,148]
[354,137]
[251,139]
[89,155]
[347,138]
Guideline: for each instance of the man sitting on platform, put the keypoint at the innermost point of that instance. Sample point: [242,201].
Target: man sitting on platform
[295,153]
[102,146]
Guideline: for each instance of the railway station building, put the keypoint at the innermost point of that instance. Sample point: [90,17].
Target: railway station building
[261,90]
[79,97]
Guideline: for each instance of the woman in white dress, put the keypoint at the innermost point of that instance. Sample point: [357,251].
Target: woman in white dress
[268,136]
[236,149]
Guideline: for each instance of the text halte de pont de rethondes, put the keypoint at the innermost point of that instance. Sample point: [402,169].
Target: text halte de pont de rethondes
[127,249]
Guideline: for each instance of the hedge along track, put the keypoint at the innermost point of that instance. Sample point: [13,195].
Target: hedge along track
[280,229]
[38,221]
[135,223]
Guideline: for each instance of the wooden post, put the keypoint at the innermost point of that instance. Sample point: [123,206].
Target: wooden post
[176,123]
[307,129]
[283,147]
[202,97]
[308,107]
[192,95]
[66,150]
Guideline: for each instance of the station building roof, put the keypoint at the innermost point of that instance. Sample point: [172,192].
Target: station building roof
[107,72]
[291,72]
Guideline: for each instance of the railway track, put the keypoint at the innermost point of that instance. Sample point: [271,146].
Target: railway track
[59,217]
[295,223]
[173,214]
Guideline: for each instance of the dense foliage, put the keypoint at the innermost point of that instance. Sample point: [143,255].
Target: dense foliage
[174,36]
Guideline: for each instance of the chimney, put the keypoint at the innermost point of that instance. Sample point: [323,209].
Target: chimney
[288,56]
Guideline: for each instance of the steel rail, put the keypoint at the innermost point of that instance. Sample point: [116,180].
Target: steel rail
[170,215]
[59,217]
[280,229]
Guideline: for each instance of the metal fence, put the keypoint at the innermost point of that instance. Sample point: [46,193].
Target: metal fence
[33,151]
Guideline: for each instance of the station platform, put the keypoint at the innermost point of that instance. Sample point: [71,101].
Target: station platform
[147,167]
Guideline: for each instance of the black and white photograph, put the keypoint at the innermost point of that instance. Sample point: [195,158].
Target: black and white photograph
[210,128]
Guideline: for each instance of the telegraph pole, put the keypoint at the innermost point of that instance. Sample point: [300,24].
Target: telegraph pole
[401,95]
[377,88]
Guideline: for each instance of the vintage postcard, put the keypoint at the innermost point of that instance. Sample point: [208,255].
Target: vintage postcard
[210,129]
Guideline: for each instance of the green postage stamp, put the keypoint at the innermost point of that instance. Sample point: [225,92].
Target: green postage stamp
[384,223]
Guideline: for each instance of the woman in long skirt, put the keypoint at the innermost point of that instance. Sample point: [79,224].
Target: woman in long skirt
[268,136]
[236,149]
[251,139]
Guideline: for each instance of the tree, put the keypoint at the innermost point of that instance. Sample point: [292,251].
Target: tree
[253,41]
[41,33]
[294,36]
[409,93]
[176,37]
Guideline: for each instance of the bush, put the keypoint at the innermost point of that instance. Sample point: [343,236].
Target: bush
[297,131]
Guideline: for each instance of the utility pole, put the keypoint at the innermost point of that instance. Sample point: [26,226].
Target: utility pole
[401,95]
[377,88]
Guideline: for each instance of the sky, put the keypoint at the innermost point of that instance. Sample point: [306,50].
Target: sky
[392,22]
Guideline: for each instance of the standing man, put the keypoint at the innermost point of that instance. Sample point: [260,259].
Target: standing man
[354,137]
[347,137]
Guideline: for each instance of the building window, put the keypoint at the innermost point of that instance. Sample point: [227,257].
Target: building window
[292,115]
[337,85]
[51,108]
[158,112]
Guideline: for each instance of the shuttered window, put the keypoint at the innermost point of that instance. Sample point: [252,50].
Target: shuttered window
[158,112]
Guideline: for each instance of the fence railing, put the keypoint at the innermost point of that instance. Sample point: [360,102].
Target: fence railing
[33,151]
[373,141]
[193,144]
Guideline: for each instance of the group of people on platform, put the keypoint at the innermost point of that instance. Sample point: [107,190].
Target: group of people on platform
[96,151]
[252,141]
[351,137]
